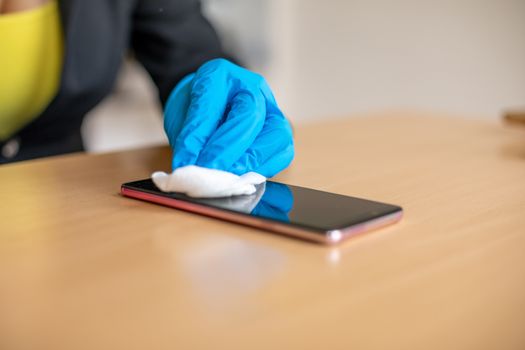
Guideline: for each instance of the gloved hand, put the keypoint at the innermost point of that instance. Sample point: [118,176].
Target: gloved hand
[225,117]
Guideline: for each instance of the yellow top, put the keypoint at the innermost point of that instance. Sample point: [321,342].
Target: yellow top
[31,46]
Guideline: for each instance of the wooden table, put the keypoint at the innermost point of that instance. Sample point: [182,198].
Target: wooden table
[83,268]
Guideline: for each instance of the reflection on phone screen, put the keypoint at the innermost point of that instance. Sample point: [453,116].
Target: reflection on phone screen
[271,200]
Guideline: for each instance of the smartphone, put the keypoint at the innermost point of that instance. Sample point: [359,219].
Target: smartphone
[300,212]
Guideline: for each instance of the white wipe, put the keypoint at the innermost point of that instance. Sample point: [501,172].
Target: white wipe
[199,182]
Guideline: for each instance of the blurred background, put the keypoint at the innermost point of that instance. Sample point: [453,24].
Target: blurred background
[345,58]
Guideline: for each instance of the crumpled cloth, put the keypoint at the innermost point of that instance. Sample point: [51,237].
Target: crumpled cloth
[200,182]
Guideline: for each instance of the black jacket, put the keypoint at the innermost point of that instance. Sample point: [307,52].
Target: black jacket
[170,38]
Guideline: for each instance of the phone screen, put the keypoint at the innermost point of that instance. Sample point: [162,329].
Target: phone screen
[306,208]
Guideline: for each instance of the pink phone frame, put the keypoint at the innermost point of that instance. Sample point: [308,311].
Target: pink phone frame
[329,237]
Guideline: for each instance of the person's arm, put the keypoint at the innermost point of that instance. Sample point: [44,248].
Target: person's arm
[172,39]
[216,114]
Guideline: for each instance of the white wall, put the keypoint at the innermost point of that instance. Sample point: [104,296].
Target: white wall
[465,57]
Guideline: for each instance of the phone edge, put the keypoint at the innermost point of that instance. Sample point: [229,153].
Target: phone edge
[330,237]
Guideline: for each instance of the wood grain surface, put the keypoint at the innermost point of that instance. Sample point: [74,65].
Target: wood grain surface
[82,267]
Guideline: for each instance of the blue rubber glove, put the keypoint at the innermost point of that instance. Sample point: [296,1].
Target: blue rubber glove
[225,117]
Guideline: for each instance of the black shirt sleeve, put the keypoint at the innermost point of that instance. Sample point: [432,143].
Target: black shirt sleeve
[171,38]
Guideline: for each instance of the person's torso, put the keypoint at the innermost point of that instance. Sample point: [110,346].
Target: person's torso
[95,36]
